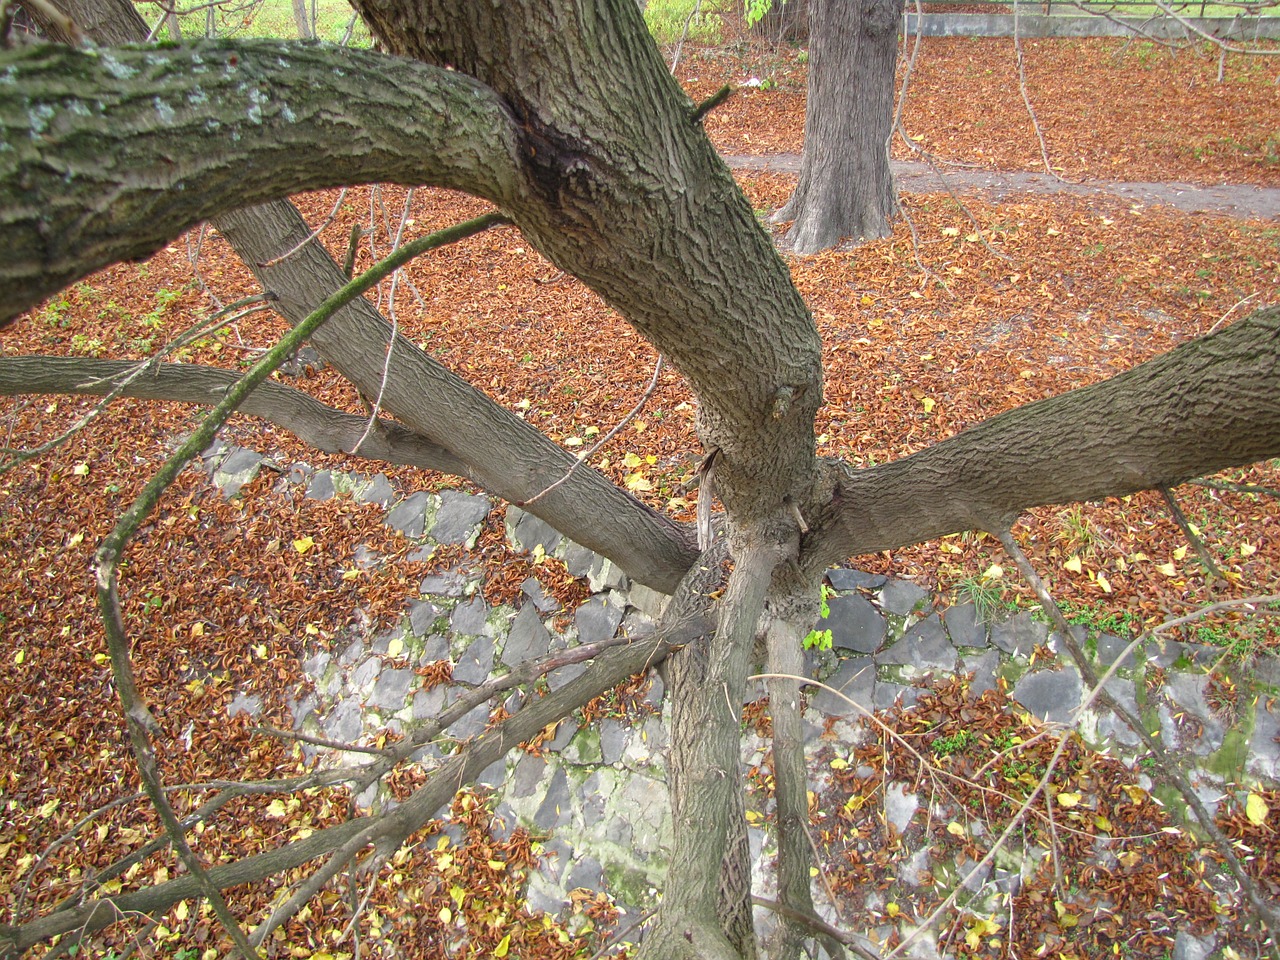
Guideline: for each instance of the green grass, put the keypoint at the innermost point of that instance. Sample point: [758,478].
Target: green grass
[269,18]
[666,20]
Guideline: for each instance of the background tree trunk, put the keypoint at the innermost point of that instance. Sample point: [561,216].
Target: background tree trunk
[845,187]
[302,17]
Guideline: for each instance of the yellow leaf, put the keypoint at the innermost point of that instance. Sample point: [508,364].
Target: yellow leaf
[1103,582]
[1074,565]
[501,949]
[497,864]
[80,469]
[955,829]
[638,482]
[1179,553]
[573,441]
[1168,569]
[49,806]
[973,237]
[929,403]
[1255,808]
[640,426]
[20,656]
[631,461]
[445,914]
[838,764]
[350,574]
[1247,549]
[182,911]
[1102,823]
[1068,800]
[197,629]
[993,572]
[276,808]
[395,647]
[303,544]
[892,909]
[78,539]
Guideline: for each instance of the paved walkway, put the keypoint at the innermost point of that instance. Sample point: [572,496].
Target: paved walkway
[1244,201]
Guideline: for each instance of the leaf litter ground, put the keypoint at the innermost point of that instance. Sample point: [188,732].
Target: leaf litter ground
[994,305]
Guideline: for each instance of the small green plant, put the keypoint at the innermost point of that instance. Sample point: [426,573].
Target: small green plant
[86,346]
[985,593]
[54,313]
[953,743]
[821,639]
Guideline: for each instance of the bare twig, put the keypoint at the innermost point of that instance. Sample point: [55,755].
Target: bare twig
[1026,98]
[631,415]
[675,59]
[1206,560]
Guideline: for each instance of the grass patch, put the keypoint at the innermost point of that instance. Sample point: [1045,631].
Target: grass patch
[269,18]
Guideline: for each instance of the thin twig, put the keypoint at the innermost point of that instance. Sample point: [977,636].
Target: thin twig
[1026,99]
[631,415]
[675,60]
[333,213]
[1206,560]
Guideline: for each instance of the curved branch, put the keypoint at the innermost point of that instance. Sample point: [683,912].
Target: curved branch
[1203,407]
[110,154]
[320,426]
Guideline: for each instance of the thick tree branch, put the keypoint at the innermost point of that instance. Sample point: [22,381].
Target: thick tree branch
[112,153]
[320,426]
[1205,406]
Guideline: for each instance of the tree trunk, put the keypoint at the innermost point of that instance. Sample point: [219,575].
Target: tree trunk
[845,187]
[302,18]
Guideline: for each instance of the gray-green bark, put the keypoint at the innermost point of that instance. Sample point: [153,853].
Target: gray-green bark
[109,154]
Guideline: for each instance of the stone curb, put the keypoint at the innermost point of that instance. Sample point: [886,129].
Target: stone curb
[599,795]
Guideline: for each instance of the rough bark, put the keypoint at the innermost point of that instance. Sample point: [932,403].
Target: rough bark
[301,414]
[112,153]
[1205,406]
[845,187]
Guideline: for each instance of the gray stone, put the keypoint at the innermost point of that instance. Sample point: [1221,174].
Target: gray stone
[409,516]
[965,626]
[1186,702]
[316,664]
[595,805]
[345,722]
[1187,947]
[854,622]
[578,560]
[435,648]
[354,651]
[1019,635]
[366,558]
[365,673]
[605,575]
[392,688]
[448,584]
[538,596]
[422,616]
[378,490]
[657,689]
[528,774]
[1110,647]
[250,704]
[428,704]
[900,806]
[1264,751]
[984,669]
[647,600]
[856,679]
[1182,656]
[565,733]
[527,532]
[889,695]
[469,619]
[470,723]
[321,486]
[613,740]
[555,809]
[1111,726]
[843,578]
[562,676]
[586,873]
[494,774]
[458,517]
[299,473]
[215,449]
[1050,694]
[597,620]
[902,597]
[475,663]
[239,468]
[925,647]
[914,870]
[303,709]
[527,639]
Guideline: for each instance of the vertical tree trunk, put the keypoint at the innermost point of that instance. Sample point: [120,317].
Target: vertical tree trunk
[302,17]
[845,187]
